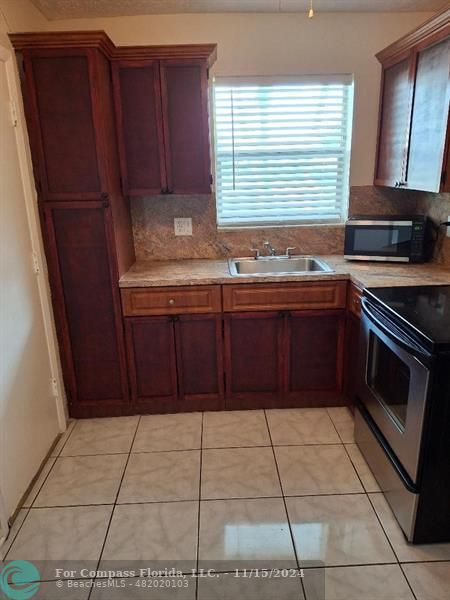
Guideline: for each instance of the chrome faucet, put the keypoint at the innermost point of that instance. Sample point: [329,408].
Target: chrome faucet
[270,249]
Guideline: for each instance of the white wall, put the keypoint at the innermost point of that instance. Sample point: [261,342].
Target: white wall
[274,44]
[30,416]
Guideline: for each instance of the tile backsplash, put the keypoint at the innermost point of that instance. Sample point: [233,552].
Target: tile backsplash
[155,239]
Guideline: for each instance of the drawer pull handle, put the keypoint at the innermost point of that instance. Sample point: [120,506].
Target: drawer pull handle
[171,301]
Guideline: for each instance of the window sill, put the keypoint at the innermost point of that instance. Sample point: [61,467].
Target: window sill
[280,226]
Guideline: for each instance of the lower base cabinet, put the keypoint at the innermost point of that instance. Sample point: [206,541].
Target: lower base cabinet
[279,359]
[175,363]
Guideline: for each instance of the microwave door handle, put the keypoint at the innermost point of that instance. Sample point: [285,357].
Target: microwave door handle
[398,339]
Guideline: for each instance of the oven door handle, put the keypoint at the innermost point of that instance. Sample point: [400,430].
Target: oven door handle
[394,334]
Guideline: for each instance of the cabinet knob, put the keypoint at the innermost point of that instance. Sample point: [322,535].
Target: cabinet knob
[171,301]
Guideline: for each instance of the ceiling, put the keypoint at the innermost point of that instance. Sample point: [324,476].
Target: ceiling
[72,9]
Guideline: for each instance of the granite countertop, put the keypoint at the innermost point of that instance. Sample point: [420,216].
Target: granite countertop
[208,272]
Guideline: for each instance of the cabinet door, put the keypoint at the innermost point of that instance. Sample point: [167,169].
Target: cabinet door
[152,364]
[315,341]
[199,362]
[394,125]
[429,118]
[61,123]
[87,308]
[184,87]
[137,94]
[253,359]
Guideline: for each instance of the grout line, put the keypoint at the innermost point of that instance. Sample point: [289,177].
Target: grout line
[199,504]
[68,437]
[114,505]
[284,503]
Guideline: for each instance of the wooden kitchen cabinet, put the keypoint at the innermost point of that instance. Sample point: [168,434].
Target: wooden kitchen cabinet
[162,122]
[253,359]
[315,349]
[175,363]
[352,331]
[414,127]
[86,303]
[279,359]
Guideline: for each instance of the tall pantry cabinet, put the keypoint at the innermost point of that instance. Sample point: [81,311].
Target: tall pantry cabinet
[85,218]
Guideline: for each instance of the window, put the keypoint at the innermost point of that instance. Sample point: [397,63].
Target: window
[282,150]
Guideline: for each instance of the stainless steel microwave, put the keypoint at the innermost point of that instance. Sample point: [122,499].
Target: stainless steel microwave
[388,238]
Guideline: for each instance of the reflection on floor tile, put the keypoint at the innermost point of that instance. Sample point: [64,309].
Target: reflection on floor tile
[101,436]
[63,439]
[38,483]
[375,582]
[308,470]
[165,532]
[161,477]
[343,421]
[406,552]
[61,534]
[154,588]
[429,581]
[239,473]
[168,432]
[362,468]
[82,480]
[239,586]
[236,534]
[337,530]
[232,429]
[301,426]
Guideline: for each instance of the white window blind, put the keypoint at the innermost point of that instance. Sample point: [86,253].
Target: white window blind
[282,151]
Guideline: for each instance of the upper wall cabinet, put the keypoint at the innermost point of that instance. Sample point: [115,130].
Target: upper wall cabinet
[413,141]
[162,122]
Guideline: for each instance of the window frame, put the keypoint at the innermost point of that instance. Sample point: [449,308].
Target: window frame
[344,79]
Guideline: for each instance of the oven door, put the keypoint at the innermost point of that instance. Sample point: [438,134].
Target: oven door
[379,240]
[393,386]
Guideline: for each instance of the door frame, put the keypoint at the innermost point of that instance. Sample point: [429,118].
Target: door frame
[31,207]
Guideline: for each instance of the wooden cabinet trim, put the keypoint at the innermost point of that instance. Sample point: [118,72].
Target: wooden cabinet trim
[171,301]
[266,297]
[354,296]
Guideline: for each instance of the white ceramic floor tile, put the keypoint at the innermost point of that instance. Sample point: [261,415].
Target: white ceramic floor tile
[362,468]
[239,473]
[337,531]
[374,582]
[81,480]
[406,552]
[70,590]
[237,534]
[232,429]
[306,470]
[233,586]
[161,477]
[169,432]
[66,536]
[101,436]
[429,581]
[343,421]
[298,426]
[156,534]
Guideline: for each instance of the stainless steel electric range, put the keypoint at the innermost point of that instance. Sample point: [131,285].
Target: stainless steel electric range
[403,414]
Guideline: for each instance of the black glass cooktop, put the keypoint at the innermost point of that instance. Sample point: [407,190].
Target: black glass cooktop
[424,310]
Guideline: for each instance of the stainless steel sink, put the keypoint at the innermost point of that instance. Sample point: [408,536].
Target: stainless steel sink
[277,265]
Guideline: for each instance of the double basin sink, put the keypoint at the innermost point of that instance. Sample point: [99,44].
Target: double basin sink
[277,265]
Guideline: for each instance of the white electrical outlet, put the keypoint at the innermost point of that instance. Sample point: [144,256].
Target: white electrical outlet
[448,226]
[183,226]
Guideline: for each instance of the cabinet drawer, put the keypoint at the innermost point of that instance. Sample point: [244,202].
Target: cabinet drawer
[171,301]
[354,300]
[289,296]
